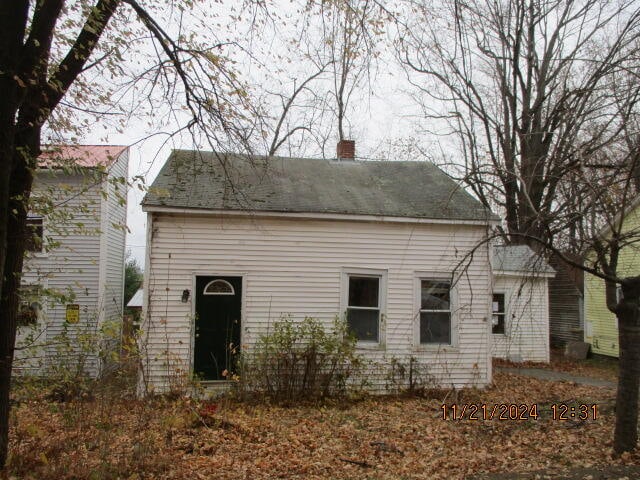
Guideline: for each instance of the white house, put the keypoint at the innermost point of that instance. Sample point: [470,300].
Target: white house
[73,280]
[235,242]
[520,320]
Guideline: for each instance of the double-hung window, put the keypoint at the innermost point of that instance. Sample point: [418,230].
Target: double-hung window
[435,312]
[498,314]
[364,307]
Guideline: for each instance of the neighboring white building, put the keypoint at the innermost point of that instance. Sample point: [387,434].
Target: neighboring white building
[520,321]
[236,242]
[73,279]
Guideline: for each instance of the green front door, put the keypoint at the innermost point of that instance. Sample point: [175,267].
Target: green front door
[217,326]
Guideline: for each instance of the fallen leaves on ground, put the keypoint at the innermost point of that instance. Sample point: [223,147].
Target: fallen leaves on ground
[377,437]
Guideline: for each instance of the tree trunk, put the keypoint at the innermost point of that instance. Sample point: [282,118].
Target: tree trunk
[626,432]
[21,182]
[8,310]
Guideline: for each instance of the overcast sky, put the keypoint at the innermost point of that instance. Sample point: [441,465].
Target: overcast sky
[379,114]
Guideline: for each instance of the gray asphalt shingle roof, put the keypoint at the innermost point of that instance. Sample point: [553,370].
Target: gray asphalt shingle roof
[205,180]
[518,258]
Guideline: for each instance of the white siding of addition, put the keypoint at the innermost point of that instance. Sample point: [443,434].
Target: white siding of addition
[526,337]
[296,267]
[85,265]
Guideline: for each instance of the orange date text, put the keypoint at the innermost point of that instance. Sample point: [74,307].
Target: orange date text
[482,411]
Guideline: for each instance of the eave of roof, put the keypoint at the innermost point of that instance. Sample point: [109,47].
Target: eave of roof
[312,216]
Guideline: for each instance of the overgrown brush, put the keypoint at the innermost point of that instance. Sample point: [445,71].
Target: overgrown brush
[300,361]
[408,376]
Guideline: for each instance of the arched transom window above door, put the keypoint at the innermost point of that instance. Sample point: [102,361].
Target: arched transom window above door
[218,287]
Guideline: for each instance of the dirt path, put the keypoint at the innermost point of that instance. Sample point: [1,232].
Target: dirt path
[552,376]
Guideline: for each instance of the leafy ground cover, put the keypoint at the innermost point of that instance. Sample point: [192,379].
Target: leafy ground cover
[375,437]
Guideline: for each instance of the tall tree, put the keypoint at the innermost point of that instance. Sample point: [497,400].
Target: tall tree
[540,97]
[48,50]
[517,84]
[349,32]
[347,40]
[337,44]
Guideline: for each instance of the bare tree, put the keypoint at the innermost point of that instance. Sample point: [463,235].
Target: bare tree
[48,52]
[285,127]
[349,43]
[515,83]
[336,49]
[540,97]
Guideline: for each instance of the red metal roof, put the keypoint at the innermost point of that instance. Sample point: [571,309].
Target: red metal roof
[88,156]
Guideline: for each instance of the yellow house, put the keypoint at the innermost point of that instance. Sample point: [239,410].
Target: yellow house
[601,326]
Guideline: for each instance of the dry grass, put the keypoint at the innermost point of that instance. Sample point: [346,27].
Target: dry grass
[378,437]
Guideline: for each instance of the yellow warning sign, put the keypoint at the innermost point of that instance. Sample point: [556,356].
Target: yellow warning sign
[73,313]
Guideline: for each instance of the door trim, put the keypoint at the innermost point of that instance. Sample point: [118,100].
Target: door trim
[192,317]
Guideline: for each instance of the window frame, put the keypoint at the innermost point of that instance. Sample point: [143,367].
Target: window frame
[381,274]
[504,312]
[33,290]
[42,251]
[453,309]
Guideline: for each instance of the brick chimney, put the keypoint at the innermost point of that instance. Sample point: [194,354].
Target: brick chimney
[346,149]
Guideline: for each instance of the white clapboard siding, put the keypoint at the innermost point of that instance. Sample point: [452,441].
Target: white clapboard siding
[114,226]
[73,267]
[526,335]
[295,267]
[88,264]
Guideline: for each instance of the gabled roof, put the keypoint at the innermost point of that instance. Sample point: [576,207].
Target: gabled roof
[210,181]
[519,259]
[87,156]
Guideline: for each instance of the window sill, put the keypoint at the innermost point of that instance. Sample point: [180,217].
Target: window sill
[370,346]
[30,326]
[436,347]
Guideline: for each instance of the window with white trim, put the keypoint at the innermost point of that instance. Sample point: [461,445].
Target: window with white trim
[498,314]
[435,312]
[364,306]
